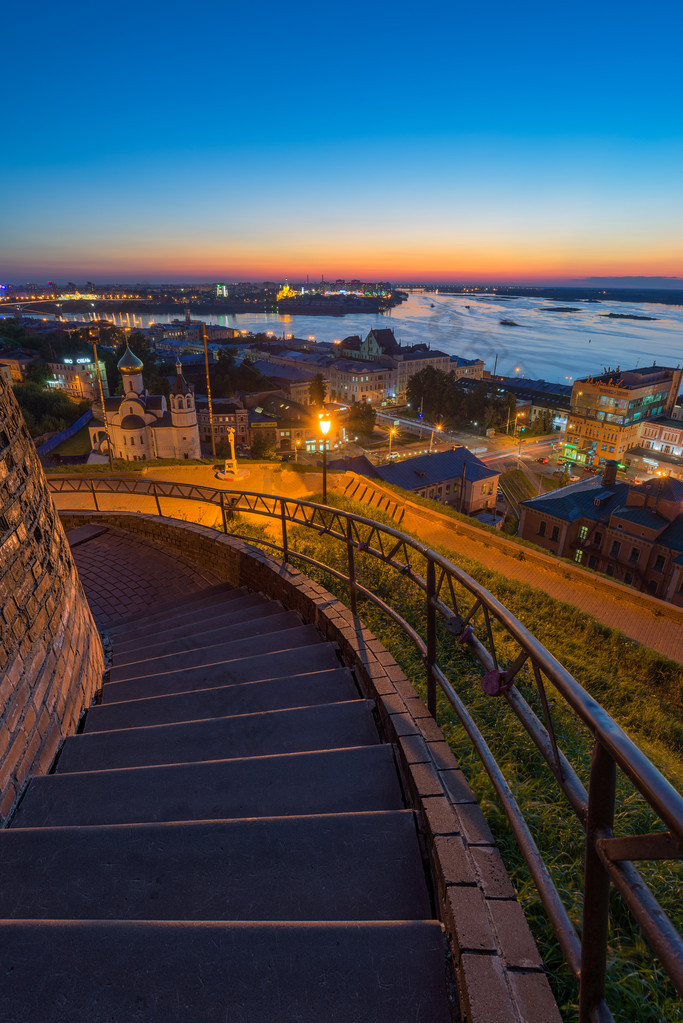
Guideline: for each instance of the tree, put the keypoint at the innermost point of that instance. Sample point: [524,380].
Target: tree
[38,372]
[543,423]
[361,418]
[317,390]
[263,446]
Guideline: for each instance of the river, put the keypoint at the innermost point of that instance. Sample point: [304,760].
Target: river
[557,346]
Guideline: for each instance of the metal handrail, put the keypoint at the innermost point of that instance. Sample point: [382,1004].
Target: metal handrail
[607,859]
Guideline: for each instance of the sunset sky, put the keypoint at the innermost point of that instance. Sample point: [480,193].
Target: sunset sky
[217,141]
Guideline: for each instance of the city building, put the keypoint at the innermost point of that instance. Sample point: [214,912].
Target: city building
[632,532]
[351,380]
[544,398]
[376,369]
[140,425]
[17,360]
[608,412]
[227,413]
[292,428]
[77,377]
[471,369]
[456,477]
[293,381]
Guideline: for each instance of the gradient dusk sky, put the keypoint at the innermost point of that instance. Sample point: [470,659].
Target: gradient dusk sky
[446,142]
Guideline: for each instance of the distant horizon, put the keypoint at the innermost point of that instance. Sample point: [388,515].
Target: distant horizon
[643,282]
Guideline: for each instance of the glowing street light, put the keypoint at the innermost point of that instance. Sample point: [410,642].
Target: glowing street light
[431,439]
[325,424]
[391,434]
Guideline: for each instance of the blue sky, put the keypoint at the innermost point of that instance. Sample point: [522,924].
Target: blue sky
[518,142]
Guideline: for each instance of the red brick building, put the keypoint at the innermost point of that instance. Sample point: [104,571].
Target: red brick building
[633,533]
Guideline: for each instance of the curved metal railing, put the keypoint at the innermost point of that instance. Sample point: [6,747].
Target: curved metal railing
[452,596]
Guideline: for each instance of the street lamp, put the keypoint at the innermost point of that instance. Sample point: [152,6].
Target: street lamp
[391,434]
[325,424]
[104,411]
[431,439]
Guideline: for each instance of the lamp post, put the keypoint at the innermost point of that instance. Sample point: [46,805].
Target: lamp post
[104,411]
[325,425]
[431,438]
[391,434]
[208,390]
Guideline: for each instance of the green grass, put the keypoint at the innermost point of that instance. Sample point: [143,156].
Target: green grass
[79,444]
[642,690]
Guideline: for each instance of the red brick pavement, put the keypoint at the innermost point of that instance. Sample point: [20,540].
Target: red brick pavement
[122,574]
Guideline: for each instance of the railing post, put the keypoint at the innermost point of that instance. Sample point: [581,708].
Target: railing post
[283,520]
[596,887]
[94,495]
[156,498]
[431,638]
[223,513]
[352,566]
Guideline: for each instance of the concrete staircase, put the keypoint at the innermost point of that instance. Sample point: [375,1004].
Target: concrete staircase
[225,841]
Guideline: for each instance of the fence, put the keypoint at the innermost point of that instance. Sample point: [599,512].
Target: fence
[467,611]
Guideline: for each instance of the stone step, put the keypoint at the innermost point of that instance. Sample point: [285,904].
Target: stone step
[204,632]
[212,616]
[208,594]
[333,781]
[81,534]
[139,972]
[330,686]
[328,726]
[239,646]
[261,666]
[186,607]
[363,866]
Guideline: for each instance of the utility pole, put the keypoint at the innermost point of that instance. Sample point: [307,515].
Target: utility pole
[208,391]
[104,411]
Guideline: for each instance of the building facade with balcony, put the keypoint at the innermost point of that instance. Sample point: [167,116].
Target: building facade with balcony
[608,412]
[633,533]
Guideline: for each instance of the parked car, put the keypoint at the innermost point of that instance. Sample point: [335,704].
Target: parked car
[573,479]
[542,460]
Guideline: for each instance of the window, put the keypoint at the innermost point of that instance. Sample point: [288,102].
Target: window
[659,563]
[616,547]
[541,528]
[592,561]
[555,533]
[578,556]
[634,555]
[597,538]
[610,570]
[583,532]
[628,578]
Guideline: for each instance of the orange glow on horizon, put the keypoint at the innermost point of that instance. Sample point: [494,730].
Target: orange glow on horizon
[427,262]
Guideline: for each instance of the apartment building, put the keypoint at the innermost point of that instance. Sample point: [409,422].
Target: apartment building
[607,413]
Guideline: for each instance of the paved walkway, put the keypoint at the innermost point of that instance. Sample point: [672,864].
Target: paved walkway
[124,575]
[644,623]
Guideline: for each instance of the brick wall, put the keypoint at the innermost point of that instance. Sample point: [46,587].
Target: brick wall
[51,658]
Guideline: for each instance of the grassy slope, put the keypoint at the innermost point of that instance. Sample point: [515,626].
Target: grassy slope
[644,694]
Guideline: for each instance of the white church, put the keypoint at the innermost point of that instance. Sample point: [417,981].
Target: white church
[140,425]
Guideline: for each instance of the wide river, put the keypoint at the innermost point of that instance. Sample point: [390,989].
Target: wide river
[557,346]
